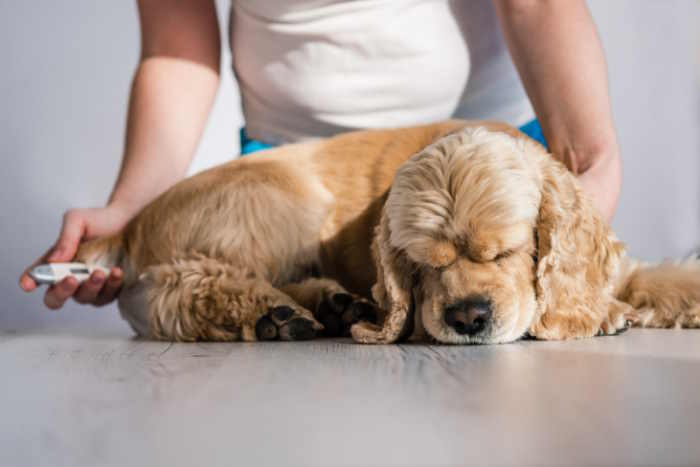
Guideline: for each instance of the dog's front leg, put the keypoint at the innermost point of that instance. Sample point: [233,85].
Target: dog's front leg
[332,305]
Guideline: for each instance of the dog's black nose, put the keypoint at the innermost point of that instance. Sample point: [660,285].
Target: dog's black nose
[469,316]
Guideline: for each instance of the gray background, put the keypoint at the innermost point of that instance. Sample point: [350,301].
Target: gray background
[66,68]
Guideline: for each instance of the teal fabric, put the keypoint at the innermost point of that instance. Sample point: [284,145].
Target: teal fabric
[249,146]
[534,131]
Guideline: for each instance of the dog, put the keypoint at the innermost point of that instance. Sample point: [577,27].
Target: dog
[458,232]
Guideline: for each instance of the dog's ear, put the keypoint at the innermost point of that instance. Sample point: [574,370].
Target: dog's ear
[392,291]
[578,259]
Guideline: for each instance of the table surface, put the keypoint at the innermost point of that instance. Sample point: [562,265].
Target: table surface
[104,398]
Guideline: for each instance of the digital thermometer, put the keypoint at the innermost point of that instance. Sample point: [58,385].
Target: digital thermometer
[53,273]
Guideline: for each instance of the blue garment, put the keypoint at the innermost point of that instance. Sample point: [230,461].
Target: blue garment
[249,146]
[534,131]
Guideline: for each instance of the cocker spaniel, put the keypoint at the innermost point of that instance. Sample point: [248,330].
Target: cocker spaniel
[460,232]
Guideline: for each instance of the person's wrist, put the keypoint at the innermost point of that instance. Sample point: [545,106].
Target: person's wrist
[121,211]
[580,160]
[606,156]
[602,180]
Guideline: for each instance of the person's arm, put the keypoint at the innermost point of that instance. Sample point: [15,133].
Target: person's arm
[172,93]
[558,54]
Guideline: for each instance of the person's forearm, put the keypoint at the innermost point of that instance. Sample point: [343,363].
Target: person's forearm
[170,101]
[560,59]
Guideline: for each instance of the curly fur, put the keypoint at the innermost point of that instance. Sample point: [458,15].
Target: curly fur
[417,219]
[665,295]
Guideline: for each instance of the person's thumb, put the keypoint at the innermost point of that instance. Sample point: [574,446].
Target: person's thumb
[69,239]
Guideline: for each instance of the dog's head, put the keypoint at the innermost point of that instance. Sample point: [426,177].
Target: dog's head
[486,237]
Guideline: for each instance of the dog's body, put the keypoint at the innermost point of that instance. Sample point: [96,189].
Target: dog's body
[270,245]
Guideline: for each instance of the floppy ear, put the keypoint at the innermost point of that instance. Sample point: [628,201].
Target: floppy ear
[392,291]
[579,257]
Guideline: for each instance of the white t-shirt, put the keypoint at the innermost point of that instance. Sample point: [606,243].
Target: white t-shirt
[310,68]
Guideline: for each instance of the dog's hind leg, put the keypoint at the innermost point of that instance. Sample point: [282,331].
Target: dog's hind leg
[200,298]
[664,295]
[332,305]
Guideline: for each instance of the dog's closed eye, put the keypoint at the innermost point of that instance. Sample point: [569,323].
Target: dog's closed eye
[487,256]
[502,255]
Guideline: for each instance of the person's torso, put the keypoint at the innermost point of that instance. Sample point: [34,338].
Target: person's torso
[311,68]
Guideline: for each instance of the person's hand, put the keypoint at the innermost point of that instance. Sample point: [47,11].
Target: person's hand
[79,224]
[602,182]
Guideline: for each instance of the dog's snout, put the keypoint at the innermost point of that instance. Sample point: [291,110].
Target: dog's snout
[469,316]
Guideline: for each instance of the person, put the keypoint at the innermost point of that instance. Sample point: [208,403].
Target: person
[308,69]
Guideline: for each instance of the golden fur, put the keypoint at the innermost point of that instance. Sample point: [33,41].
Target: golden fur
[412,220]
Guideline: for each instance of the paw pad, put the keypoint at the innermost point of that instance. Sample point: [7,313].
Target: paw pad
[341,310]
[298,329]
[282,313]
[283,323]
[265,329]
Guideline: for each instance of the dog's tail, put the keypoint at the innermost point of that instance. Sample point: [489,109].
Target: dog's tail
[663,295]
[107,252]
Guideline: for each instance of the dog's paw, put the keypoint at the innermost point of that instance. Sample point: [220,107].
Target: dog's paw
[282,322]
[339,311]
[617,320]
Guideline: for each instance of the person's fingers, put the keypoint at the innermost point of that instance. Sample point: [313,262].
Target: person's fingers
[27,283]
[64,249]
[69,239]
[88,290]
[57,295]
[111,287]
